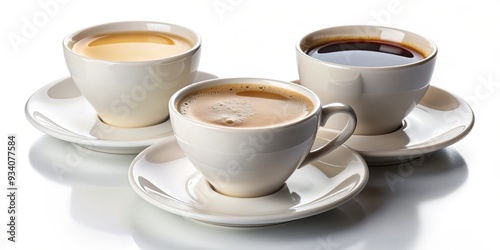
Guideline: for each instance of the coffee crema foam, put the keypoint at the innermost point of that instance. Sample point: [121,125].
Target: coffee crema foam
[245,105]
[131,46]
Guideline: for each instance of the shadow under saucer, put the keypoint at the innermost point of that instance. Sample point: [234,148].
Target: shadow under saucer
[101,196]
[384,214]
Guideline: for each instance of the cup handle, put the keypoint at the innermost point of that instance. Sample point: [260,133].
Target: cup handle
[327,112]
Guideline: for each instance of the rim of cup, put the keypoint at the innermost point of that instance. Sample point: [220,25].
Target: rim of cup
[243,80]
[126,26]
[301,42]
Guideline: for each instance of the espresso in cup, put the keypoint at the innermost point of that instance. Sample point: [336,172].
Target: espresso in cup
[245,105]
[132,46]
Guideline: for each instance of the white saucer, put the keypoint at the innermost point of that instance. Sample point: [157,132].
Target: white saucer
[59,110]
[162,176]
[439,120]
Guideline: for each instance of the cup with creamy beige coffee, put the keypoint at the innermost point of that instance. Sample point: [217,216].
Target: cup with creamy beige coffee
[247,136]
[127,71]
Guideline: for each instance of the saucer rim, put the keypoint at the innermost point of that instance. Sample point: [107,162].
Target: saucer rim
[249,220]
[97,144]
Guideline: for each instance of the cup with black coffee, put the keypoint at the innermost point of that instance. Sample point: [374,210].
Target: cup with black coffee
[381,72]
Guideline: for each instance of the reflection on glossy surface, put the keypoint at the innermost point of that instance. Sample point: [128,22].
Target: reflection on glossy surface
[64,90]
[385,214]
[176,186]
[66,162]
[102,208]
[157,229]
[439,99]
[203,193]
[101,197]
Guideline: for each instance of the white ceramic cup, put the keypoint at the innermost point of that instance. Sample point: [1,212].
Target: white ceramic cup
[255,161]
[380,96]
[132,94]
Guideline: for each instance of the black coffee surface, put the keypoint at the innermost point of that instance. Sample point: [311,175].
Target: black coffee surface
[365,53]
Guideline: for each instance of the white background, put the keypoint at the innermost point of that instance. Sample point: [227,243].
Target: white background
[448,201]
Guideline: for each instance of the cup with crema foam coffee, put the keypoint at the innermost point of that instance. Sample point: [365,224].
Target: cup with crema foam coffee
[128,71]
[381,72]
[247,136]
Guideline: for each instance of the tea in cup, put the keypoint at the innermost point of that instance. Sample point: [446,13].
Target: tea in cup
[248,135]
[381,72]
[127,71]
